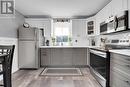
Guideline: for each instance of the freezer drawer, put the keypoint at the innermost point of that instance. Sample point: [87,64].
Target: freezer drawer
[27,54]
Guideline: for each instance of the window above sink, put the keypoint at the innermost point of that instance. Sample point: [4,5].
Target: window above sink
[62,32]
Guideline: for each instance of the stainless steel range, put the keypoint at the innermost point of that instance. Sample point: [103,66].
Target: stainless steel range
[100,59]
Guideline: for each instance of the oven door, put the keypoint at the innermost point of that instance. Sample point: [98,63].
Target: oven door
[98,62]
[99,66]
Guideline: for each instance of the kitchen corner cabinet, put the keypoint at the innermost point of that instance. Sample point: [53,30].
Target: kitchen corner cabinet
[79,57]
[90,26]
[78,28]
[119,70]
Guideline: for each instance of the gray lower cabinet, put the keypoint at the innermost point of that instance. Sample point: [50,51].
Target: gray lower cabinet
[119,70]
[45,57]
[63,56]
[79,56]
[56,57]
[119,80]
[67,57]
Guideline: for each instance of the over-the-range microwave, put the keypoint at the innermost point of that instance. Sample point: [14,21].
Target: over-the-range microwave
[118,23]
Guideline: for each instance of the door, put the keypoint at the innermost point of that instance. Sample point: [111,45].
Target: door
[98,61]
[27,54]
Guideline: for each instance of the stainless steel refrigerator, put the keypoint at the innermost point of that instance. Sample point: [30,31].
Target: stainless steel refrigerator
[29,41]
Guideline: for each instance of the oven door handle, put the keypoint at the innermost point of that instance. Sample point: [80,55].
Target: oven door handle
[99,53]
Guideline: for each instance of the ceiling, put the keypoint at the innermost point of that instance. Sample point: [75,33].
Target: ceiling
[60,8]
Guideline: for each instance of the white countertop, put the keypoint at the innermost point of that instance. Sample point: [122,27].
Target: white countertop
[121,51]
[68,47]
[118,51]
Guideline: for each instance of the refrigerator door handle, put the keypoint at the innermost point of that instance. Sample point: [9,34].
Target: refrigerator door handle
[35,45]
[35,34]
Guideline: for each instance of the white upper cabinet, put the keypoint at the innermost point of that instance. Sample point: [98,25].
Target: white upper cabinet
[125,4]
[117,6]
[111,9]
[78,28]
[90,26]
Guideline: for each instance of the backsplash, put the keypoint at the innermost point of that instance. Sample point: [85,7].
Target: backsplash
[125,35]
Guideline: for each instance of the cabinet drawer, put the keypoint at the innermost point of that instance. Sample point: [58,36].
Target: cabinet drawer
[119,57]
[118,80]
[122,66]
[45,52]
[45,57]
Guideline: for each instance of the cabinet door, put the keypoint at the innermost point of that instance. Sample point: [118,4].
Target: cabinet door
[56,57]
[108,11]
[45,57]
[117,6]
[117,80]
[78,28]
[91,23]
[61,57]
[79,56]
[67,57]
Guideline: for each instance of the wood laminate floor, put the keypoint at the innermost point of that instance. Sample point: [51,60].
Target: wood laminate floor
[31,78]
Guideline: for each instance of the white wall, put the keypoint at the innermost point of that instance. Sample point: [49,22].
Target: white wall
[78,29]
[9,26]
[8,35]
[79,32]
[11,41]
[41,23]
